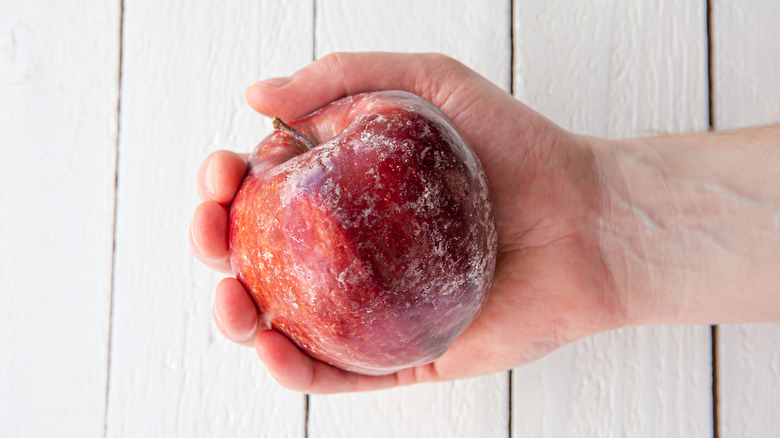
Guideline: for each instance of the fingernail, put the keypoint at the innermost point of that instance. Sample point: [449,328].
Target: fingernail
[216,316]
[210,179]
[275,82]
[247,335]
[195,246]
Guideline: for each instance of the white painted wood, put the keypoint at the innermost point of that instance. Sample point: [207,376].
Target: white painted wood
[470,408]
[746,92]
[613,68]
[746,63]
[58,97]
[748,380]
[478,34]
[185,68]
[616,69]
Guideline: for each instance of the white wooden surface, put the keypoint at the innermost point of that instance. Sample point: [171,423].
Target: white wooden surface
[71,279]
[615,77]
[746,73]
[58,114]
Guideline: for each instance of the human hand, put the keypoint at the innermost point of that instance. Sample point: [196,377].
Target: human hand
[550,285]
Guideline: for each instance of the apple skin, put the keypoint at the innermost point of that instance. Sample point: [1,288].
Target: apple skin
[375,249]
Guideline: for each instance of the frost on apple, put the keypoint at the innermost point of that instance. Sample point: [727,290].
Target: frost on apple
[374,249]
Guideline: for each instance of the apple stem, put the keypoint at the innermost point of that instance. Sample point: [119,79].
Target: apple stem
[279,125]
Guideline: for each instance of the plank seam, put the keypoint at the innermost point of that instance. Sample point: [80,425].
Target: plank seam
[306,413]
[711,121]
[710,74]
[509,425]
[512,47]
[715,419]
[116,201]
[313,30]
[512,92]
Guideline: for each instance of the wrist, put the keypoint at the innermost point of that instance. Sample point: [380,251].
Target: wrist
[688,227]
[634,240]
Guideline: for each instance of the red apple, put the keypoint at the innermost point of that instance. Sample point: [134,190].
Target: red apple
[364,232]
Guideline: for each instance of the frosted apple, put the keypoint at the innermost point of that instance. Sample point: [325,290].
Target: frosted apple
[364,232]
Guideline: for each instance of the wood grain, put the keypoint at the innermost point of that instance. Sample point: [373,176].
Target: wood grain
[471,408]
[602,67]
[616,69]
[476,33]
[746,92]
[185,68]
[58,98]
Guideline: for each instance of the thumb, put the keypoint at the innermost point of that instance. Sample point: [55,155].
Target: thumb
[432,76]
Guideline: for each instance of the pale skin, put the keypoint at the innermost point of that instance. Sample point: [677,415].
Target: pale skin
[594,234]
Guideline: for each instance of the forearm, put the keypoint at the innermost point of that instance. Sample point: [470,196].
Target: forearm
[690,226]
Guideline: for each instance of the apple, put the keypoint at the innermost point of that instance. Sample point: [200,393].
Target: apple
[364,232]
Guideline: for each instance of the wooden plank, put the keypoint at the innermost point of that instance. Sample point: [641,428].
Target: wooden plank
[58,88]
[746,92]
[471,408]
[616,69]
[745,63]
[185,69]
[477,33]
[748,380]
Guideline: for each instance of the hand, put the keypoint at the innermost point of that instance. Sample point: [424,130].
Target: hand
[550,284]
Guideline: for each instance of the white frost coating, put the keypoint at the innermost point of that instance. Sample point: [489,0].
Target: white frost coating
[398,237]
[425,205]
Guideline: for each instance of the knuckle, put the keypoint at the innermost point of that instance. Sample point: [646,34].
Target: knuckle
[335,62]
[443,61]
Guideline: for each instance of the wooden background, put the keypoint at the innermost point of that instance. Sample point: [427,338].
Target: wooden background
[108,107]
